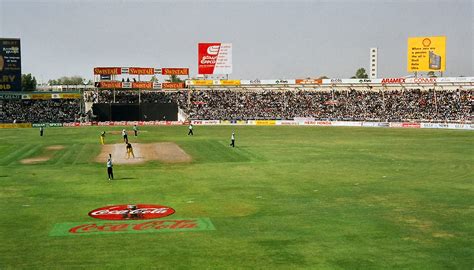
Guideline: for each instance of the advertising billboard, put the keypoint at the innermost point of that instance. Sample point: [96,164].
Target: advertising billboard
[426,54]
[175,71]
[10,64]
[215,58]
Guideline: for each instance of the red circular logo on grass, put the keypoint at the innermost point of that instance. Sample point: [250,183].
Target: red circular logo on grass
[131,211]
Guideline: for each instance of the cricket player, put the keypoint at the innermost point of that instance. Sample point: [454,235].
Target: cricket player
[125,136]
[110,171]
[130,151]
[190,130]
[41,131]
[232,139]
[135,129]
[102,138]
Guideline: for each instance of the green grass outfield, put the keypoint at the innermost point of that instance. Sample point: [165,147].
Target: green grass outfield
[284,198]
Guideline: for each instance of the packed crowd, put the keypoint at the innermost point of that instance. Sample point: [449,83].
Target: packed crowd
[39,111]
[406,105]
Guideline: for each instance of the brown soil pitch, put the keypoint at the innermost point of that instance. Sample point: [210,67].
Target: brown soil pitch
[42,158]
[55,147]
[166,152]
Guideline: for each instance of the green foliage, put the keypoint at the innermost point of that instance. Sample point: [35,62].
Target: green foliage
[174,78]
[28,82]
[65,80]
[360,74]
[431,74]
[284,198]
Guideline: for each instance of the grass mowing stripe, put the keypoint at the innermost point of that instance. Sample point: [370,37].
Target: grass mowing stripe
[85,153]
[30,151]
[65,156]
[12,152]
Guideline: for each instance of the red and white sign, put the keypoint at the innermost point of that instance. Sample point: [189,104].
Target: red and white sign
[215,58]
[131,211]
[393,80]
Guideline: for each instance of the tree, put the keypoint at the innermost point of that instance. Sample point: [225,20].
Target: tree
[154,79]
[174,78]
[28,82]
[431,74]
[323,77]
[360,74]
[65,80]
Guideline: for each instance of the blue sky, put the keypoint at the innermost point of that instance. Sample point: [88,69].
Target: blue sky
[271,40]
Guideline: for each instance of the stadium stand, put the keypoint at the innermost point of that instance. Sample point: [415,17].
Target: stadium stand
[395,105]
[244,104]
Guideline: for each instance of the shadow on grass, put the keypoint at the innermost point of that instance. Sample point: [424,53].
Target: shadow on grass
[124,178]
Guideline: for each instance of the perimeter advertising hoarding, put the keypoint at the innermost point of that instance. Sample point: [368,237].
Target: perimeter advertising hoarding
[10,64]
[426,54]
[214,58]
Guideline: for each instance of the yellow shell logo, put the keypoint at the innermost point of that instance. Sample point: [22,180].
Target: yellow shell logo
[426,42]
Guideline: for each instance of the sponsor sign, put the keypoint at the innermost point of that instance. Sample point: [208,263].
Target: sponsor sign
[70,96]
[309,81]
[10,64]
[229,82]
[141,71]
[47,125]
[40,96]
[206,122]
[393,80]
[201,82]
[107,71]
[175,71]
[265,122]
[287,123]
[421,80]
[172,85]
[215,58]
[142,85]
[10,96]
[132,226]
[21,125]
[346,124]
[351,81]
[131,211]
[109,85]
[426,54]
[411,125]
[105,77]
[257,82]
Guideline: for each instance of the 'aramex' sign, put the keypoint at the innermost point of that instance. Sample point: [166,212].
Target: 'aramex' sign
[131,211]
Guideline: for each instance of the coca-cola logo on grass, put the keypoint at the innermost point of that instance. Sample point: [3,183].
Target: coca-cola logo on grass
[131,211]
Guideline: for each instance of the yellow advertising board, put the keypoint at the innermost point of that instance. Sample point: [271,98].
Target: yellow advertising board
[230,82]
[265,122]
[202,82]
[19,125]
[426,54]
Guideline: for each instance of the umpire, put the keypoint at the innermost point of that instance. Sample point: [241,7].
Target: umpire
[110,170]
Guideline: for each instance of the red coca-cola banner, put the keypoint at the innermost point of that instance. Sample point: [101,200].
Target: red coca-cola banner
[131,211]
[207,57]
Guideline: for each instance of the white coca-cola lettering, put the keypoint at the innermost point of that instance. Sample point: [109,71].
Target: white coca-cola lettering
[208,60]
[126,211]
